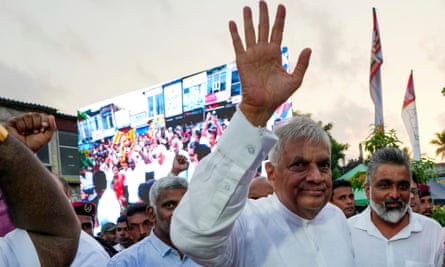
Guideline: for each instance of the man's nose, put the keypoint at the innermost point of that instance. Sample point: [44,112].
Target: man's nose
[394,192]
[314,174]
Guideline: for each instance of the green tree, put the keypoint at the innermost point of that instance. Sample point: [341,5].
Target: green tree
[337,152]
[439,215]
[425,170]
[358,180]
[440,143]
[378,138]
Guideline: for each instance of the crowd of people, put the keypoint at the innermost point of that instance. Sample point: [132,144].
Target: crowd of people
[129,159]
[226,215]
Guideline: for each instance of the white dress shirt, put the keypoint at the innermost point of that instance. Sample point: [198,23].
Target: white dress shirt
[420,243]
[17,250]
[90,253]
[216,225]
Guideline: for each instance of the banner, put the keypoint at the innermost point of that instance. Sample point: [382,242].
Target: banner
[375,88]
[409,117]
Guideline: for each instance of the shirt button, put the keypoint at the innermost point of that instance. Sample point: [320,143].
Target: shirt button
[250,149]
[227,187]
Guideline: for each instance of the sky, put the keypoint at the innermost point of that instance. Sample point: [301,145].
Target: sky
[71,54]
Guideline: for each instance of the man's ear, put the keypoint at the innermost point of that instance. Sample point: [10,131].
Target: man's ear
[151,214]
[270,171]
[367,191]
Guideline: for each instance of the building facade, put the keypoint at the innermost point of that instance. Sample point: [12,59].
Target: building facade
[61,155]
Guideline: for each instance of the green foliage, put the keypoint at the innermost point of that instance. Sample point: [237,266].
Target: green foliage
[440,143]
[378,138]
[425,170]
[358,180]
[439,215]
[337,152]
[443,91]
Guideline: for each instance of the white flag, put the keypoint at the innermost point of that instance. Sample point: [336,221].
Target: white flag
[409,116]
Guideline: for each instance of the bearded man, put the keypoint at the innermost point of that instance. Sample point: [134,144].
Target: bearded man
[388,233]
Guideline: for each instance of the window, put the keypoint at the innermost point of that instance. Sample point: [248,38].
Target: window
[68,154]
[43,155]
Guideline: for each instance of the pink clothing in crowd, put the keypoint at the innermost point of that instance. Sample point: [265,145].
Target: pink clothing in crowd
[6,224]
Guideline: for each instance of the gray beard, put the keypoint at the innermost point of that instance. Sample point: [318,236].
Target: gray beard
[392,215]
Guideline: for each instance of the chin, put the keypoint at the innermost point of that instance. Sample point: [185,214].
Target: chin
[313,203]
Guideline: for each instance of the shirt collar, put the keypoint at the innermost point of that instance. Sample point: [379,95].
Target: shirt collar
[162,248]
[364,222]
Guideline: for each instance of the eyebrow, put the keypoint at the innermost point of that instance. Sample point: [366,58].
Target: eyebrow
[390,181]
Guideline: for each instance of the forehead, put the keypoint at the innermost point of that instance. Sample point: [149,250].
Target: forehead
[342,190]
[306,150]
[169,194]
[392,172]
[110,233]
[139,217]
[84,218]
[121,225]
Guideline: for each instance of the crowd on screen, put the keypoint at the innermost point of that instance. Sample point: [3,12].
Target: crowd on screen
[129,159]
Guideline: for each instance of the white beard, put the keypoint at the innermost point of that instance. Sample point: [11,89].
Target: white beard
[392,215]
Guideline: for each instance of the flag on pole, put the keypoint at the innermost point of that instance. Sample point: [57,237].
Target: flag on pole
[409,117]
[375,88]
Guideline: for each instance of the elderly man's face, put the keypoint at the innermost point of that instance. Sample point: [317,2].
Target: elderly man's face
[302,177]
[389,192]
[166,203]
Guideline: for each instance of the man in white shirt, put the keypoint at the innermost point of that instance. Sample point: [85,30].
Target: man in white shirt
[388,233]
[215,224]
[134,176]
[47,232]
[160,165]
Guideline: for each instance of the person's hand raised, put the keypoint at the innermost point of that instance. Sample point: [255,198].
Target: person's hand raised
[34,129]
[180,163]
[265,83]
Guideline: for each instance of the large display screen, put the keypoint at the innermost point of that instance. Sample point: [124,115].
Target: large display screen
[133,138]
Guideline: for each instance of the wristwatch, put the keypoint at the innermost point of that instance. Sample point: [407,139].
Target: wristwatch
[3,134]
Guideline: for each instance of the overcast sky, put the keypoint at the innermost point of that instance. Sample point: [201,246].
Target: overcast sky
[70,54]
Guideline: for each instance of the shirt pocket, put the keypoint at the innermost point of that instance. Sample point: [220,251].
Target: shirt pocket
[411,263]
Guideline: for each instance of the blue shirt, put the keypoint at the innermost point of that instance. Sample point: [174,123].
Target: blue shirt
[150,251]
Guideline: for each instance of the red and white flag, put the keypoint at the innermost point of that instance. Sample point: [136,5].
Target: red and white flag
[409,117]
[375,82]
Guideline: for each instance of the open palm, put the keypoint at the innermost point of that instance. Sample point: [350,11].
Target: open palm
[265,83]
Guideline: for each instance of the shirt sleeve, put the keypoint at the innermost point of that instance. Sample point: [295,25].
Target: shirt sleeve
[17,249]
[203,222]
